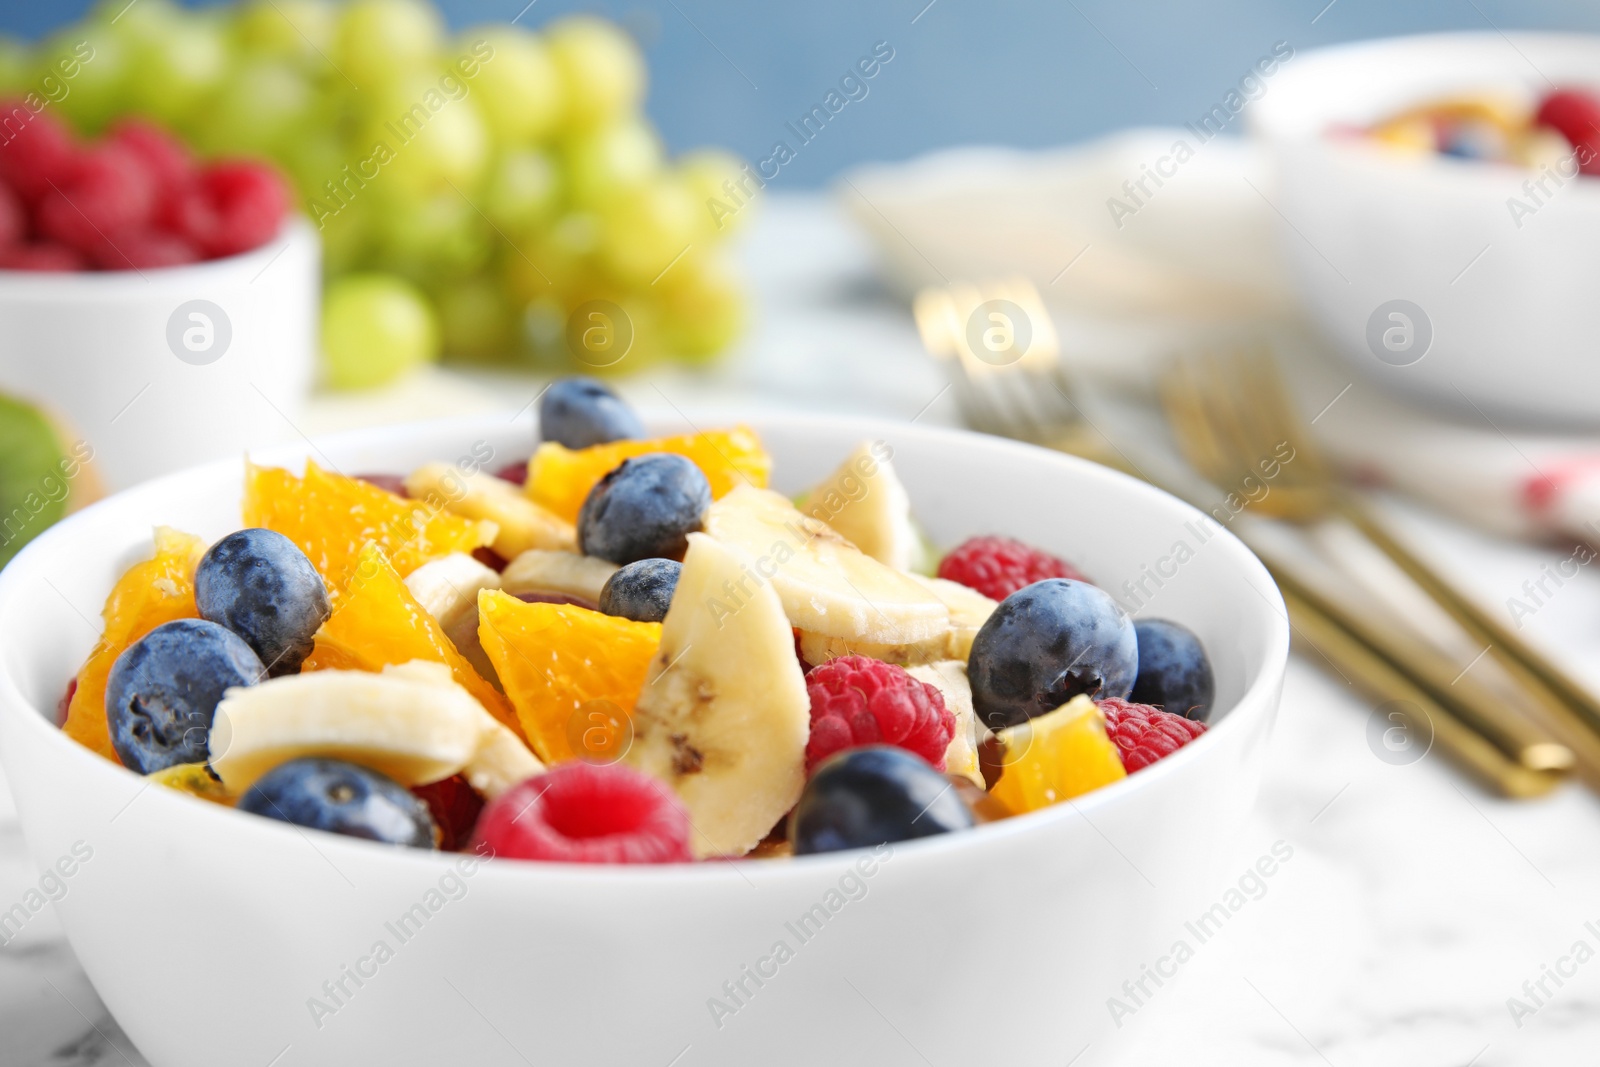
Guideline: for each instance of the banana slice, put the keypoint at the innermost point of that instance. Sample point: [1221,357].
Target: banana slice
[866,503]
[950,678]
[968,610]
[724,715]
[447,589]
[478,495]
[826,584]
[539,571]
[411,722]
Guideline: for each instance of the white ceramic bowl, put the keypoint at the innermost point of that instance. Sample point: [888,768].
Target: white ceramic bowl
[207,931]
[103,349]
[1510,296]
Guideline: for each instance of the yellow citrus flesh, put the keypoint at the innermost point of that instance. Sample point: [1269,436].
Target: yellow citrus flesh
[150,593]
[559,478]
[1057,756]
[378,623]
[566,669]
[332,518]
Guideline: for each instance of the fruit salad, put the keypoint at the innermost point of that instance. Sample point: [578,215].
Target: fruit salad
[623,650]
[1560,131]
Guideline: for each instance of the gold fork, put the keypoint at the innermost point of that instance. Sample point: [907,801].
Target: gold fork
[1229,410]
[1032,400]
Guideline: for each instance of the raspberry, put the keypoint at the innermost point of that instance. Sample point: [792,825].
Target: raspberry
[587,813]
[148,248]
[1576,116]
[13,218]
[859,701]
[231,207]
[455,807]
[1144,734]
[106,193]
[515,473]
[999,566]
[35,149]
[163,155]
[41,256]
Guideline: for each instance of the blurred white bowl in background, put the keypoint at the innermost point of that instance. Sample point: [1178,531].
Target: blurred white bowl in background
[161,369]
[1507,296]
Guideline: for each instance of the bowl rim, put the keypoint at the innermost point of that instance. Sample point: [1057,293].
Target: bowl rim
[1258,699]
[1277,120]
[37,285]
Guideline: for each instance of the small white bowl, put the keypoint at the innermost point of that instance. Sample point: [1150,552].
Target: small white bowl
[161,369]
[208,932]
[1508,295]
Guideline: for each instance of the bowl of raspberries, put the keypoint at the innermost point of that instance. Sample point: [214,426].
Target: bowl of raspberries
[127,262]
[470,738]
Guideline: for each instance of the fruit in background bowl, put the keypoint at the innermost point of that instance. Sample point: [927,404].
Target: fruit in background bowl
[508,177]
[132,201]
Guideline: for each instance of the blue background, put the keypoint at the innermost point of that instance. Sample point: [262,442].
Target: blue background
[1016,72]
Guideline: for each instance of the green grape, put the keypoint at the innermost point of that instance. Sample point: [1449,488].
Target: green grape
[375,327]
[702,307]
[522,191]
[173,65]
[347,233]
[91,62]
[601,68]
[299,31]
[644,230]
[602,162]
[380,41]
[432,142]
[478,321]
[725,194]
[517,88]
[262,106]
[437,237]
[314,156]
[16,66]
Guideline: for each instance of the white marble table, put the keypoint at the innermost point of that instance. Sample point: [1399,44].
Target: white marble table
[1412,909]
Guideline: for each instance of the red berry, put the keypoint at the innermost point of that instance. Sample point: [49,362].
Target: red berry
[147,248]
[490,558]
[515,473]
[13,218]
[1575,114]
[455,807]
[1144,734]
[999,566]
[105,193]
[859,701]
[231,207]
[66,701]
[41,256]
[580,812]
[164,156]
[35,149]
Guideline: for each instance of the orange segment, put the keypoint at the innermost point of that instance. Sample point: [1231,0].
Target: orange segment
[554,659]
[158,590]
[378,622]
[1057,756]
[559,478]
[332,518]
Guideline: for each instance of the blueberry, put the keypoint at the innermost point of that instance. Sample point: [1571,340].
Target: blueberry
[645,508]
[641,591]
[869,796]
[1174,673]
[1045,644]
[163,691]
[580,412]
[260,585]
[342,798]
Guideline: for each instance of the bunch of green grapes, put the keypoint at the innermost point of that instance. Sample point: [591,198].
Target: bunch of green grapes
[474,193]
